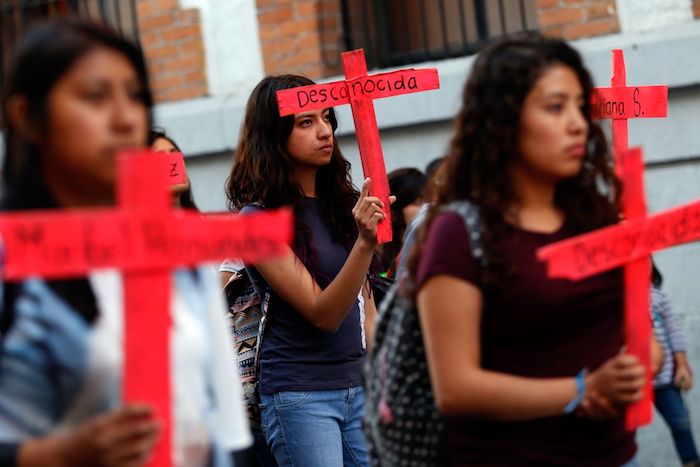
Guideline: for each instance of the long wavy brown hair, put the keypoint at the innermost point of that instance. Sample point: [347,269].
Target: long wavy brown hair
[263,171]
[485,143]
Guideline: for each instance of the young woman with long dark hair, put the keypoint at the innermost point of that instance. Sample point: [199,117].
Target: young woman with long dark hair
[321,310]
[77,93]
[512,353]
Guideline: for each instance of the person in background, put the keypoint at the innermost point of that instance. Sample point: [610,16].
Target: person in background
[674,375]
[407,184]
[77,93]
[159,141]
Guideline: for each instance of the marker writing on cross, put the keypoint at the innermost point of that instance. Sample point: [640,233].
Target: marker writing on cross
[145,238]
[629,243]
[359,90]
[621,102]
[176,167]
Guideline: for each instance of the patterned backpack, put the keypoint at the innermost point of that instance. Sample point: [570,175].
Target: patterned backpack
[247,315]
[402,423]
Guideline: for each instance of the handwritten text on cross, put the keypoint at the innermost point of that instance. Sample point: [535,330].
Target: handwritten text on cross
[145,238]
[359,90]
[629,243]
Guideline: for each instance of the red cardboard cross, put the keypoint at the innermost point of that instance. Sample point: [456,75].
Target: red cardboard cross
[145,238]
[621,102]
[175,163]
[359,90]
[629,243]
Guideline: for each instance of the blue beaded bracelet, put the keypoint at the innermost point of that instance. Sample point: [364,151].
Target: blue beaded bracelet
[581,392]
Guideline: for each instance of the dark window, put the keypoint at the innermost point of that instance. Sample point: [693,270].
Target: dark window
[17,15]
[397,32]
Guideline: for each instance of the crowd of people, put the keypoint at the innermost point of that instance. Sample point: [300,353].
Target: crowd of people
[524,369]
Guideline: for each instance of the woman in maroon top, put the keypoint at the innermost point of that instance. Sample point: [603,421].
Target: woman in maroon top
[527,370]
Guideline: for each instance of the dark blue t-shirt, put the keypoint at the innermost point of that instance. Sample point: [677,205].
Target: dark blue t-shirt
[296,355]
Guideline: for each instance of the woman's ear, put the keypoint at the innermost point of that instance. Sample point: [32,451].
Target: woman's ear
[17,110]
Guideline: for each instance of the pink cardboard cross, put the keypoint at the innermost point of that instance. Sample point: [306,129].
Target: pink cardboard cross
[629,243]
[145,238]
[359,90]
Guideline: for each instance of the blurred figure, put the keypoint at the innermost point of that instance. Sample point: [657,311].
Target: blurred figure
[77,93]
[675,374]
[407,184]
[159,141]
[434,175]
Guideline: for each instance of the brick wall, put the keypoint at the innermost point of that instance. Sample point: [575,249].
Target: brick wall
[301,36]
[696,9]
[172,41]
[574,19]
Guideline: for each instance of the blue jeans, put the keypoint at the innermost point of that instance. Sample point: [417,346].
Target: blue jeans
[670,405]
[315,428]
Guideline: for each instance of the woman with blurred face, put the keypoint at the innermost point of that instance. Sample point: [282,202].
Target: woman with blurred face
[526,370]
[77,94]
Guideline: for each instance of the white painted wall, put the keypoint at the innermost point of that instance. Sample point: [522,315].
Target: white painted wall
[647,15]
[231,44]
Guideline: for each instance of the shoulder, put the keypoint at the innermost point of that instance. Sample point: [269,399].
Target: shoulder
[658,296]
[447,231]
[447,251]
[43,361]
[231,265]
[252,208]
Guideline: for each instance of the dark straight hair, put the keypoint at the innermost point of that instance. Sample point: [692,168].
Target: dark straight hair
[42,57]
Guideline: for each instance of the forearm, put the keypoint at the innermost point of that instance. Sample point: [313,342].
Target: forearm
[41,452]
[332,305]
[370,318]
[680,359]
[224,277]
[498,396]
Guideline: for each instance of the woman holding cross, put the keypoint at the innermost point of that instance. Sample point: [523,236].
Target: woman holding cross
[321,312]
[527,370]
[77,93]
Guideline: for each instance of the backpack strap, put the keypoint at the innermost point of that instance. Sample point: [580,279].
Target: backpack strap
[264,306]
[469,213]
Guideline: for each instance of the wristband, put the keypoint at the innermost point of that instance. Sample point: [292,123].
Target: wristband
[580,394]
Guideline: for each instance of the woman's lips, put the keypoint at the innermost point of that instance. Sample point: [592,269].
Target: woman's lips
[576,150]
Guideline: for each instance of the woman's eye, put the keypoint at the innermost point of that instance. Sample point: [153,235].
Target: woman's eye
[137,95]
[94,96]
[305,122]
[555,107]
